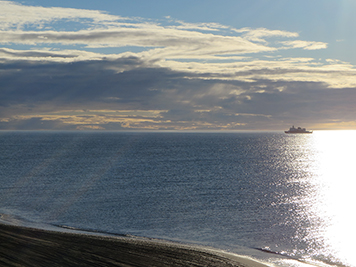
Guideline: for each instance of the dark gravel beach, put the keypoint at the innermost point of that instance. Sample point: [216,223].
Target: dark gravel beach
[20,246]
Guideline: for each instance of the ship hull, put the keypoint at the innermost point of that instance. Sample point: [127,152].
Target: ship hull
[288,132]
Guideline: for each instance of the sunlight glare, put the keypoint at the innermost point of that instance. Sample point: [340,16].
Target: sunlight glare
[335,181]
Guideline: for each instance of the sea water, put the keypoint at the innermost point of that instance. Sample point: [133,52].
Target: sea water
[283,199]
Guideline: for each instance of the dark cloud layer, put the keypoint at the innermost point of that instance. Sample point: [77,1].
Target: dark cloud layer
[29,91]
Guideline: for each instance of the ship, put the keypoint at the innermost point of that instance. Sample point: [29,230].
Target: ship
[298,130]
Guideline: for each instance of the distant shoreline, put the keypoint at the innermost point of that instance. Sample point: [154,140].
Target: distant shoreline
[22,246]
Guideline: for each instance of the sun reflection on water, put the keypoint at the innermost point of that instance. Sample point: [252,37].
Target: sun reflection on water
[334,183]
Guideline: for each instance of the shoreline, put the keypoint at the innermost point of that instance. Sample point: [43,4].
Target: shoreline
[22,246]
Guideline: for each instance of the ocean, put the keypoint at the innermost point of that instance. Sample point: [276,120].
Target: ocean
[287,200]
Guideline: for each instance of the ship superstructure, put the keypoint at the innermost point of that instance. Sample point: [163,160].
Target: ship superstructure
[298,130]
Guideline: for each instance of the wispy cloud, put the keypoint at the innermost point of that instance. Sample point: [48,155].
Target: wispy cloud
[17,16]
[184,41]
[307,45]
[99,29]
[259,35]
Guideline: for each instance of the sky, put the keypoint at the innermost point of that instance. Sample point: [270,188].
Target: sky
[197,65]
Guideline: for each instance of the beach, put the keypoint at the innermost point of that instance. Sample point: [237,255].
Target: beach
[22,246]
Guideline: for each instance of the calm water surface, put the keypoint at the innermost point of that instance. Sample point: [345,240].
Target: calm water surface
[248,193]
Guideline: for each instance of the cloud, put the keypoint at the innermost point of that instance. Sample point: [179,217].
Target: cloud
[7,54]
[17,16]
[196,26]
[58,95]
[177,39]
[165,74]
[334,74]
[175,43]
[306,45]
[257,35]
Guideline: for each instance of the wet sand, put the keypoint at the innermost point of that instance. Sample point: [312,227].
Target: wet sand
[20,246]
